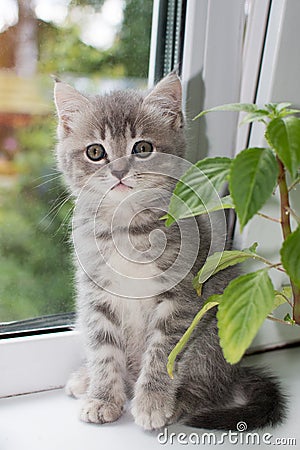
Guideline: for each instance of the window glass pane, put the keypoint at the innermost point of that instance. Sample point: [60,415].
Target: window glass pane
[96,45]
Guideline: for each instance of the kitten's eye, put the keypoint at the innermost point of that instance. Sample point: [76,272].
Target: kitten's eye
[95,152]
[142,149]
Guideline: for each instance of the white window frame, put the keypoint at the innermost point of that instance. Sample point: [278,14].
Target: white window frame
[211,73]
[280,51]
[38,362]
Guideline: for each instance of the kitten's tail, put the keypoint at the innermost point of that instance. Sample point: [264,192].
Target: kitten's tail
[263,405]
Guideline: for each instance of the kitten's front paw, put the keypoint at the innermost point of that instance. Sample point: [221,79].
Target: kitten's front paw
[78,383]
[152,410]
[100,411]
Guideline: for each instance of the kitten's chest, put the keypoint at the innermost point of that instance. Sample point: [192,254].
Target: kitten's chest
[124,264]
[131,271]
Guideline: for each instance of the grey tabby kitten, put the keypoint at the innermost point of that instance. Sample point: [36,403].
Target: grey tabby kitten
[121,157]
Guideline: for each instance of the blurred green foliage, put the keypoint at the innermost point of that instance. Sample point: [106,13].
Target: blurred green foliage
[133,48]
[35,258]
[36,270]
[97,4]
[61,50]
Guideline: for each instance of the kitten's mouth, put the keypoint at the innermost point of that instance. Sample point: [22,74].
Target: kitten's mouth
[121,186]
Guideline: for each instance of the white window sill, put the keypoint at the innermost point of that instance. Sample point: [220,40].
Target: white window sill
[38,363]
[49,420]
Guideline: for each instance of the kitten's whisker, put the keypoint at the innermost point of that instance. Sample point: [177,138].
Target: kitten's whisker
[56,208]
[48,181]
[56,214]
[65,221]
[55,172]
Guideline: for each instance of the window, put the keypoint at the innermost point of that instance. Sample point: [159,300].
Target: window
[61,41]
[241,52]
[95,46]
[226,52]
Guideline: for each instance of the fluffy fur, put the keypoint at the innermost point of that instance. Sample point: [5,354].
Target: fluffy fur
[131,309]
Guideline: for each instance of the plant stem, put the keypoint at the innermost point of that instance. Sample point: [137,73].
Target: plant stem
[271,265]
[284,201]
[278,320]
[296,309]
[292,212]
[183,340]
[268,217]
[291,187]
[277,267]
[286,299]
[286,230]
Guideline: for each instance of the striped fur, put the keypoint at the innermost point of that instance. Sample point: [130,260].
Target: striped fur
[134,299]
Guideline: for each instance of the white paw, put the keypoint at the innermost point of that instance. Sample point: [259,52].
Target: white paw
[152,411]
[78,383]
[100,411]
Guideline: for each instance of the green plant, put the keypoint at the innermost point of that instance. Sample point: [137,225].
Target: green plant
[252,177]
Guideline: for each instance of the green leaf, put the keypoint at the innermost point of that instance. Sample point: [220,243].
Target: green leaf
[253,177]
[256,116]
[212,301]
[239,107]
[278,300]
[283,134]
[271,110]
[290,256]
[283,109]
[219,261]
[213,205]
[287,291]
[196,191]
[245,304]
[169,219]
[282,106]
[253,247]
[284,296]
[288,112]
[287,318]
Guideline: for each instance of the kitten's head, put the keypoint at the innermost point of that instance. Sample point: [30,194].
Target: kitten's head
[114,143]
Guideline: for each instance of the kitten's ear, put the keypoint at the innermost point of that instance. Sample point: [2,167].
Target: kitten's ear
[68,101]
[167,95]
